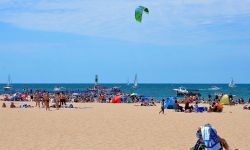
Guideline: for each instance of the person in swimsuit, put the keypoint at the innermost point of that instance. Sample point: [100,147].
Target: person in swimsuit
[46,100]
[37,98]
[162,106]
[63,99]
[57,97]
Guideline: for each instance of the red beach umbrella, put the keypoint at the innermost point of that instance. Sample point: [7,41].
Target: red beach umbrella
[117,99]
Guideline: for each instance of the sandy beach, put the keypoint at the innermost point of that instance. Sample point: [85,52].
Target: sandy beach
[116,126]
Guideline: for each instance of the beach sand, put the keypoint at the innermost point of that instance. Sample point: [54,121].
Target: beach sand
[116,127]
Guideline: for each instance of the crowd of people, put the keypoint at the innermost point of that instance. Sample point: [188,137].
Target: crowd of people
[187,104]
[191,104]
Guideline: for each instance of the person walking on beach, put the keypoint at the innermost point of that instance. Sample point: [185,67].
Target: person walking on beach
[162,106]
[37,98]
[46,100]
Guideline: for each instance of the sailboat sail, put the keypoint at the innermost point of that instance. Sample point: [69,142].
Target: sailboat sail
[231,84]
[8,86]
[9,80]
[136,82]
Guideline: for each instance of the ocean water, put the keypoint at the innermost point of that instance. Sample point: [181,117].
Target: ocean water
[152,90]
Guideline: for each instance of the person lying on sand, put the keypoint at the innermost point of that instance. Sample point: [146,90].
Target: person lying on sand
[216,107]
[246,107]
[209,139]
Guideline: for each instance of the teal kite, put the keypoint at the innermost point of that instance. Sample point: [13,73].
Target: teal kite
[139,12]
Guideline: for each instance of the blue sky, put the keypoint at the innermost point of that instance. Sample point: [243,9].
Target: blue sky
[180,41]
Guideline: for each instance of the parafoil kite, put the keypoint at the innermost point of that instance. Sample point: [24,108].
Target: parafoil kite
[139,12]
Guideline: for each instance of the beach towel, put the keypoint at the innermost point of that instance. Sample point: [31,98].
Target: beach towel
[210,138]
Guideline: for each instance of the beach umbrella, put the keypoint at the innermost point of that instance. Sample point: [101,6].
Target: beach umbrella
[75,94]
[117,99]
[134,94]
[24,95]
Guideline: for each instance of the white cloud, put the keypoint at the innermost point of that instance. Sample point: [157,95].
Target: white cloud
[168,20]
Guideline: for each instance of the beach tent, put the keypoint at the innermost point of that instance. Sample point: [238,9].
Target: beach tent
[117,99]
[225,100]
[169,103]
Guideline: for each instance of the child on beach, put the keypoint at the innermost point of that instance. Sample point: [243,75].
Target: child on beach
[162,106]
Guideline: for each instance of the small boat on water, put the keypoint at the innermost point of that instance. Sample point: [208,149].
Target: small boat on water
[59,89]
[182,91]
[214,88]
[99,89]
[8,86]
[231,83]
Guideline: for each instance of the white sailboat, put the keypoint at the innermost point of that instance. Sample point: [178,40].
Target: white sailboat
[231,83]
[8,86]
[135,82]
[59,89]
[181,90]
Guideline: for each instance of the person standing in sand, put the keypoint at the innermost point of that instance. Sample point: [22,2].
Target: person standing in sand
[63,99]
[57,97]
[162,106]
[37,98]
[46,100]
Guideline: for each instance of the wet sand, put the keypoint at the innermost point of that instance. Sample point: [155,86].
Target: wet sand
[116,127]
